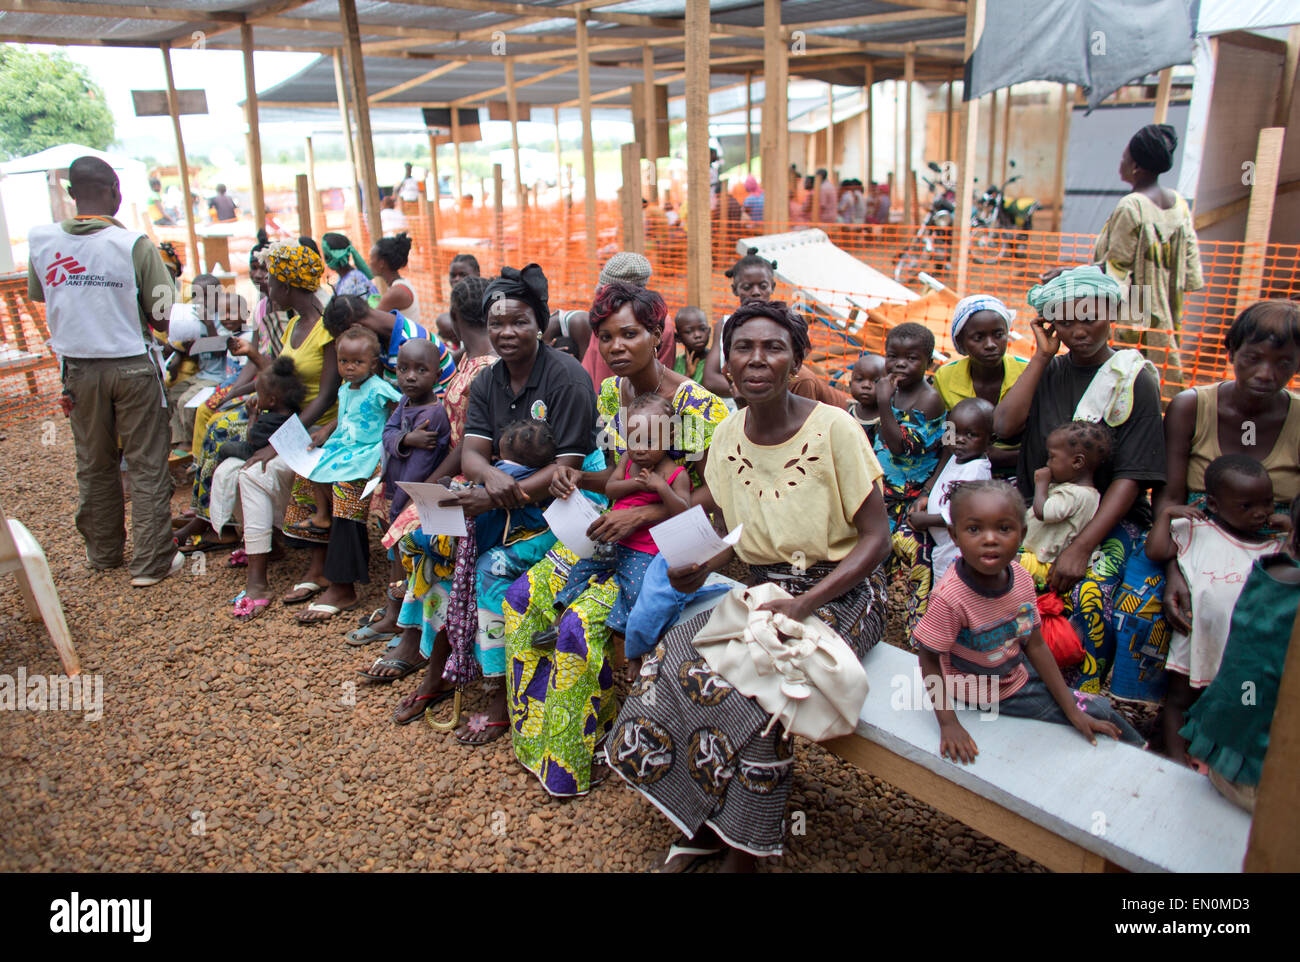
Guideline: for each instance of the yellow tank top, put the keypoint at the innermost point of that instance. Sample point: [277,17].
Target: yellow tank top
[1282,463]
[309,361]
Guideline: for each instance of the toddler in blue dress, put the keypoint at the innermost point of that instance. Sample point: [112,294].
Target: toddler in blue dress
[356,444]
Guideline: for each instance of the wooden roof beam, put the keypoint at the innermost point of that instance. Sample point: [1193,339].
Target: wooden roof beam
[415,81]
[526,82]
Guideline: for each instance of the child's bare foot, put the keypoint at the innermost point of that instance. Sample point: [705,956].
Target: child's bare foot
[633,670]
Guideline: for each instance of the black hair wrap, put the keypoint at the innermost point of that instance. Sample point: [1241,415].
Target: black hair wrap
[527,285]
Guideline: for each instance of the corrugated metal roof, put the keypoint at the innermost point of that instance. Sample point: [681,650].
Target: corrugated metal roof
[380,13]
[402,54]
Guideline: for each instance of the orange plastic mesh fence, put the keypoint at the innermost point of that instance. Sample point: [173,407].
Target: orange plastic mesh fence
[1005,263]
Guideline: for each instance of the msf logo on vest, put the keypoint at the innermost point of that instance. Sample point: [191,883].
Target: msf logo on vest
[62,268]
[77,915]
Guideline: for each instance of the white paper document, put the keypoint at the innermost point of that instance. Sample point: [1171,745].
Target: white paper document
[435,519]
[203,395]
[569,520]
[369,489]
[206,345]
[689,538]
[292,442]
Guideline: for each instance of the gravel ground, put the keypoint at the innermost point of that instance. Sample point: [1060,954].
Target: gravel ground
[229,747]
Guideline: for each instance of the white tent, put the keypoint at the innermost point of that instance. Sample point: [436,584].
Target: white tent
[24,186]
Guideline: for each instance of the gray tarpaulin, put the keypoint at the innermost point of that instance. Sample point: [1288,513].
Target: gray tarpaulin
[1099,44]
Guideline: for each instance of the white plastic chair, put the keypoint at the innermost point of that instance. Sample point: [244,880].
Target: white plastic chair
[21,554]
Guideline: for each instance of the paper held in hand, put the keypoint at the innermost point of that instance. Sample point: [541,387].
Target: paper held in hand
[293,444]
[435,519]
[569,519]
[202,395]
[209,345]
[689,538]
[369,489]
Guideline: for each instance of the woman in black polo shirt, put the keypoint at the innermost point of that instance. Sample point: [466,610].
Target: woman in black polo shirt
[532,381]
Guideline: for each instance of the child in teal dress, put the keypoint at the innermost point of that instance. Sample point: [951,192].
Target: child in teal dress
[912,415]
[356,444]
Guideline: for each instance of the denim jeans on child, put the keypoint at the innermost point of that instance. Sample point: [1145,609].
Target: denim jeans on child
[657,607]
[1033,700]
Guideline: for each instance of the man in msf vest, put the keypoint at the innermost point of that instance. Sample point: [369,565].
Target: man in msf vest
[103,286]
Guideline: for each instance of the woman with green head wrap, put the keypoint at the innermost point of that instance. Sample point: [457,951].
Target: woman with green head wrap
[346,261]
[1090,382]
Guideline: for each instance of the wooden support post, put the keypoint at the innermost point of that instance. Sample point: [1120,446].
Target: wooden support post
[432,210]
[317,209]
[830,133]
[749,122]
[304,206]
[588,151]
[361,100]
[724,222]
[633,220]
[970,141]
[460,189]
[173,108]
[1287,94]
[1062,131]
[909,180]
[993,135]
[566,203]
[1259,218]
[699,247]
[512,104]
[648,109]
[869,86]
[1006,134]
[340,91]
[559,160]
[1274,844]
[254,134]
[1162,94]
[896,174]
[498,214]
[773,134]
[949,147]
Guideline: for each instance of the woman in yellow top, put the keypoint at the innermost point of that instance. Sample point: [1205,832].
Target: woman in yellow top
[1149,245]
[980,326]
[803,480]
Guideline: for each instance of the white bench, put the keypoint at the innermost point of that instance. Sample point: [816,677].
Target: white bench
[1042,790]
[1038,787]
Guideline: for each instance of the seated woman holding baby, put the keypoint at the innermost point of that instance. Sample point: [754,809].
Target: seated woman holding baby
[561,686]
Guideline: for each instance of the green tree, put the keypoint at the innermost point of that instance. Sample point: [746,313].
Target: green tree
[47,100]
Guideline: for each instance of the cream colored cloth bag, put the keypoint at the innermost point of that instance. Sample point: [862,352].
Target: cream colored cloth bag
[802,673]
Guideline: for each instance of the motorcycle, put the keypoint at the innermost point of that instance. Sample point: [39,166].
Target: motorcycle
[924,251]
[994,215]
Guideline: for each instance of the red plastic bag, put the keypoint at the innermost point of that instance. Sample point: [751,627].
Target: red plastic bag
[1059,634]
